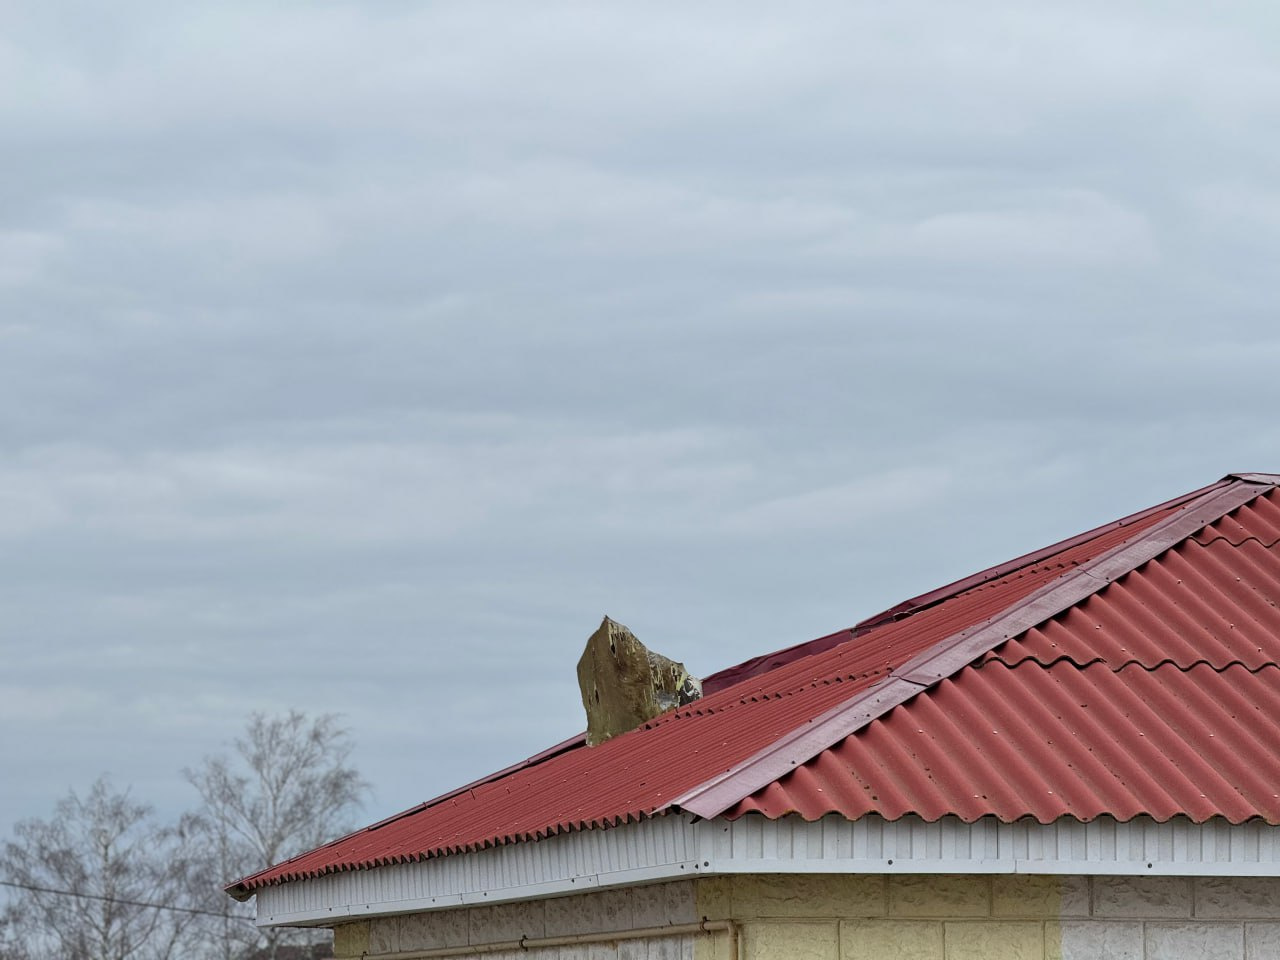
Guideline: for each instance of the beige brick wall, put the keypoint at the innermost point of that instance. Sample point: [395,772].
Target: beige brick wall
[806,917]
[994,918]
[606,911]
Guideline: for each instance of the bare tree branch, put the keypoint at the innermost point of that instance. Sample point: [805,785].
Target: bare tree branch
[287,787]
[108,850]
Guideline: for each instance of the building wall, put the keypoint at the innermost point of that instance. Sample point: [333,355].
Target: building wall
[872,917]
[998,917]
[607,911]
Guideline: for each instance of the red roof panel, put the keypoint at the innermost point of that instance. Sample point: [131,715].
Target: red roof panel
[1214,598]
[1047,759]
[1058,741]
[1158,695]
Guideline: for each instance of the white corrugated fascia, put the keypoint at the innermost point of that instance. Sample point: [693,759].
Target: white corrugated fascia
[678,847]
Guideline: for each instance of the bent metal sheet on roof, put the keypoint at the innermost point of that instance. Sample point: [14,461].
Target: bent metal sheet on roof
[1130,671]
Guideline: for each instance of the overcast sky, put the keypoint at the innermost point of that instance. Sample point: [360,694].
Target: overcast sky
[359,357]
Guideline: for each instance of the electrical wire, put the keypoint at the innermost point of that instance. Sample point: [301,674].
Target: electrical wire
[130,903]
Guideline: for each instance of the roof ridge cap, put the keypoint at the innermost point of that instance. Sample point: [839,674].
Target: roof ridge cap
[908,608]
[759,665]
[719,793]
[1270,479]
[1077,583]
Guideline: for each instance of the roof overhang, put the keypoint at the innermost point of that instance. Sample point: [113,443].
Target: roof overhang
[680,846]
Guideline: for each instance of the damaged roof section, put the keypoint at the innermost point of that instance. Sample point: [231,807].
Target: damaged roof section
[1130,670]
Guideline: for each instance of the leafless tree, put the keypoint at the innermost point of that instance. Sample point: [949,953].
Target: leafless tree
[12,946]
[85,879]
[286,787]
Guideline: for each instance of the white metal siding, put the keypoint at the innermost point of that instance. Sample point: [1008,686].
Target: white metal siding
[676,847]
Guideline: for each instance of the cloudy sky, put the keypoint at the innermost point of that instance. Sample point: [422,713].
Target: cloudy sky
[359,357]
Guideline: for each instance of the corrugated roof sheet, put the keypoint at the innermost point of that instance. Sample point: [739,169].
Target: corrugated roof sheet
[1159,694]
[1056,741]
[1093,652]
[1211,599]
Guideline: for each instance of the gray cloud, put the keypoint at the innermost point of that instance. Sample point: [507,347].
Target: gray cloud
[359,357]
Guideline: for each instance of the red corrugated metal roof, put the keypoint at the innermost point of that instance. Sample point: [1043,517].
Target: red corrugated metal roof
[1211,599]
[769,661]
[1159,694]
[1057,741]
[769,710]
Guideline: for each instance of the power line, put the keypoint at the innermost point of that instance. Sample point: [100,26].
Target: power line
[130,903]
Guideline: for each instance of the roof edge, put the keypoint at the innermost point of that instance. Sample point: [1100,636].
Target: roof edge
[246,886]
[684,847]
[715,796]
[727,677]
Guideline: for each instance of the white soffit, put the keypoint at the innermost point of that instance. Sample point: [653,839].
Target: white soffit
[676,847]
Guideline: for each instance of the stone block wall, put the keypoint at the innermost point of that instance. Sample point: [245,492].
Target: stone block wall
[870,917]
[606,911]
[1000,917]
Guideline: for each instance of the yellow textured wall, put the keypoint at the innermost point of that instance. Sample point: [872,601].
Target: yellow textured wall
[351,939]
[862,917]
[1001,917]
[789,917]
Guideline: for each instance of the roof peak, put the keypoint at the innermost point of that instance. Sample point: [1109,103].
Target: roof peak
[962,648]
[1269,479]
[763,663]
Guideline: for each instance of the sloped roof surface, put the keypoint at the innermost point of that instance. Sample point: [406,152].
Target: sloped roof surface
[1050,742]
[1137,673]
